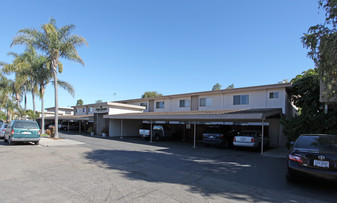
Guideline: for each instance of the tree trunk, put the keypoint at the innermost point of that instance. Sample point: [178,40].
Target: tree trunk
[33,96]
[42,111]
[54,66]
[25,97]
[24,113]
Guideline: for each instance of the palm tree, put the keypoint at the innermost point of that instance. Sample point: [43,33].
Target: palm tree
[56,43]
[43,77]
[6,90]
[20,85]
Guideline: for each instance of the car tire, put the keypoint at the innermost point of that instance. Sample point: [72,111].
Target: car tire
[10,142]
[37,143]
[156,137]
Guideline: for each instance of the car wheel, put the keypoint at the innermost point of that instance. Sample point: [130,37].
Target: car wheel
[64,129]
[37,143]
[156,138]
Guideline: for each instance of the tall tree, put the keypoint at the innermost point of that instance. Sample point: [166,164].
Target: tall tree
[151,94]
[230,86]
[217,86]
[79,102]
[56,43]
[321,40]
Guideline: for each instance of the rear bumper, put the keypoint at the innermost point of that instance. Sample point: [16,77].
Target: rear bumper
[213,142]
[245,144]
[25,139]
[296,171]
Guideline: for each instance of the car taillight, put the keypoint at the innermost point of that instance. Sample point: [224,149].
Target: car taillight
[252,140]
[39,132]
[234,139]
[296,158]
[12,133]
[221,136]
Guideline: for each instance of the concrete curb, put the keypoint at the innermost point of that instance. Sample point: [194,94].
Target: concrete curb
[47,142]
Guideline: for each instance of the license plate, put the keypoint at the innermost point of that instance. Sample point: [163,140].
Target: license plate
[26,133]
[211,137]
[323,164]
[244,139]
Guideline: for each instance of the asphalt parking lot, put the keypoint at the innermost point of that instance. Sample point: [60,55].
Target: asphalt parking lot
[132,170]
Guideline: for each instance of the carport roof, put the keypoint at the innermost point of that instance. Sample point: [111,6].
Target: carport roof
[71,117]
[228,115]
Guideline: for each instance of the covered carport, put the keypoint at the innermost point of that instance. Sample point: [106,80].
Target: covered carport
[82,120]
[121,125]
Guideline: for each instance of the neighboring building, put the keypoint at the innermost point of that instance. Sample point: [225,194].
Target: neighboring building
[98,110]
[63,111]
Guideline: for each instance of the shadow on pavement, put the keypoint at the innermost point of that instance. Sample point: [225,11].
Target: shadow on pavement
[231,174]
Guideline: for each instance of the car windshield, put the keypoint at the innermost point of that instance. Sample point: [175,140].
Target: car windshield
[326,142]
[248,134]
[213,129]
[26,125]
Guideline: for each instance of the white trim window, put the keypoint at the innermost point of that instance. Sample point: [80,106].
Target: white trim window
[90,109]
[77,110]
[241,99]
[184,103]
[205,102]
[160,104]
[84,109]
[273,95]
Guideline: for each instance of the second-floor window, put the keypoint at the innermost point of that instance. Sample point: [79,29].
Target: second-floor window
[76,110]
[240,99]
[83,109]
[90,109]
[273,95]
[205,102]
[184,103]
[160,105]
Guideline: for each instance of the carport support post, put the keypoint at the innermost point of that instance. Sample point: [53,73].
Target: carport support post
[68,125]
[121,129]
[195,133]
[79,127]
[262,136]
[151,132]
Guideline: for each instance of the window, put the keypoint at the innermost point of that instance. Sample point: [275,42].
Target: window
[160,105]
[90,109]
[76,110]
[205,102]
[84,109]
[273,95]
[240,99]
[144,104]
[184,103]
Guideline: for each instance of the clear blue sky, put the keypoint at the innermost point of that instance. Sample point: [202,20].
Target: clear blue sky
[169,46]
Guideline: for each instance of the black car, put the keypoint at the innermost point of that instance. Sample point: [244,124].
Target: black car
[313,156]
[214,135]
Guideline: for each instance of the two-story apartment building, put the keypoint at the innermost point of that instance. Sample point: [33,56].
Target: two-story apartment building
[257,107]
[238,108]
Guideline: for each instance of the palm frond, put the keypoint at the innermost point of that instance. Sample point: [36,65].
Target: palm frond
[66,86]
